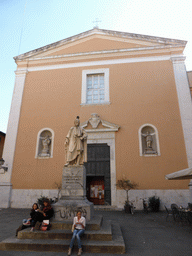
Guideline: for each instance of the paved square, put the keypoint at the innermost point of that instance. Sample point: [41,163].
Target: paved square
[144,234]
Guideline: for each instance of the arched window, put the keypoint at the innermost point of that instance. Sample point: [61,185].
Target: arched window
[149,140]
[44,148]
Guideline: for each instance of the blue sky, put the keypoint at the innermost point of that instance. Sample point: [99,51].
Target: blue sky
[29,24]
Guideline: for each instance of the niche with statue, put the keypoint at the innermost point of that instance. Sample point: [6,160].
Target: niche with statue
[149,141]
[45,144]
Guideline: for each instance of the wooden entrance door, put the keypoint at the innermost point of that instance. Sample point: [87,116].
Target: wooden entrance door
[98,171]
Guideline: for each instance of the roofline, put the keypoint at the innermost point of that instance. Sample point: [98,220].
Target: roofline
[104,32]
[3,133]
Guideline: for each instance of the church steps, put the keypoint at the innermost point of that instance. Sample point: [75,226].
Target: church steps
[93,224]
[104,234]
[115,246]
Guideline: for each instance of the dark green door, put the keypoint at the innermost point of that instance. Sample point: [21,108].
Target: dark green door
[98,165]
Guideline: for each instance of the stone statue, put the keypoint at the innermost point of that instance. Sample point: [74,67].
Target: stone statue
[46,141]
[148,139]
[76,145]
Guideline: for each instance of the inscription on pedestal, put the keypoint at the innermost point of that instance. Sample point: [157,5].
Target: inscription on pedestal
[73,195]
[73,182]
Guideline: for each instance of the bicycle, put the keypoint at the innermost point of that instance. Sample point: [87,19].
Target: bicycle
[145,205]
[132,207]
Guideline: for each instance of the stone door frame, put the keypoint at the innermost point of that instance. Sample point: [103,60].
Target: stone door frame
[108,138]
[102,131]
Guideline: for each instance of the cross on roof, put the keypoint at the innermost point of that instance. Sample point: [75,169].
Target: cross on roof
[96,23]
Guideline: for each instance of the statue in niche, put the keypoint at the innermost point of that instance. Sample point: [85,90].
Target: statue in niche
[149,141]
[76,145]
[46,141]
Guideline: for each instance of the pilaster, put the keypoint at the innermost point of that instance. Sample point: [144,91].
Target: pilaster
[11,137]
[185,104]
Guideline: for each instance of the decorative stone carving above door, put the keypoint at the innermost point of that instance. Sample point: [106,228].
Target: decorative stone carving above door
[95,120]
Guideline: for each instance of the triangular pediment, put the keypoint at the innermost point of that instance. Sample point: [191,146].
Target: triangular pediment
[95,124]
[99,40]
[94,44]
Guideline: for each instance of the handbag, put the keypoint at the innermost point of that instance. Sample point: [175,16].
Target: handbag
[26,222]
[73,228]
[45,225]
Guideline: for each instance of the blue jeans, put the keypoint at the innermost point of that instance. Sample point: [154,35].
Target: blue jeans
[76,233]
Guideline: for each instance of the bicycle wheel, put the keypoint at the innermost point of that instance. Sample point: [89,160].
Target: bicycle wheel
[132,210]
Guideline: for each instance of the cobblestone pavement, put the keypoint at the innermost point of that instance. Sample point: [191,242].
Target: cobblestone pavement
[144,234]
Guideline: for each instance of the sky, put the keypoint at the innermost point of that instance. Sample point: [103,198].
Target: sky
[26,25]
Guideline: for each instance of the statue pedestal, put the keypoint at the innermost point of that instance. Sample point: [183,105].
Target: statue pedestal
[73,195]
[149,151]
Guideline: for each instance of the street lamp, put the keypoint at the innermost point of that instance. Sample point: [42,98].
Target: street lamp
[5,169]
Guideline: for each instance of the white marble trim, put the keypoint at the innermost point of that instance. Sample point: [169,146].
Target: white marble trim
[98,63]
[12,128]
[185,104]
[105,52]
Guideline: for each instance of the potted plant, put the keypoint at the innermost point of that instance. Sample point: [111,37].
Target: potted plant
[126,185]
[42,199]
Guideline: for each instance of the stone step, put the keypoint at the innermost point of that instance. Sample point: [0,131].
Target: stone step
[93,224]
[107,208]
[117,244]
[104,234]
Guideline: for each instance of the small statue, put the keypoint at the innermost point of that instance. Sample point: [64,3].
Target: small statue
[76,145]
[149,141]
[46,141]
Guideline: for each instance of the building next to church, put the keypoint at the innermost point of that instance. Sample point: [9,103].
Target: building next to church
[132,95]
[2,141]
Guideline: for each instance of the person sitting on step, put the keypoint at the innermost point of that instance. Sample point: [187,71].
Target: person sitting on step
[46,214]
[28,222]
[79,228]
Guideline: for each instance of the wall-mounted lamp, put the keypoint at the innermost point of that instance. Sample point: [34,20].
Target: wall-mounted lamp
[3,169]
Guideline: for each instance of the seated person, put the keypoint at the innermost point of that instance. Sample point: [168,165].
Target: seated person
[45,214]
[189,206]
[28,222]
[79,228]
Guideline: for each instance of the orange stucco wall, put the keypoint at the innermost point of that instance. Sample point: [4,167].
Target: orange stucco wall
[96,44]
[140,93]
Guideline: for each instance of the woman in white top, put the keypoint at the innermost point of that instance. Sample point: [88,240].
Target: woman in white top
[79,228]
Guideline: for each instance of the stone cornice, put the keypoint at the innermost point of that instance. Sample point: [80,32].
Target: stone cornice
[151,48]
[178,59]
[160,40]
[21,72]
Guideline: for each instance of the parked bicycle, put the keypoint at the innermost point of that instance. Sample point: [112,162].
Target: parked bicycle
[145,205]
[129,207]
[132,207]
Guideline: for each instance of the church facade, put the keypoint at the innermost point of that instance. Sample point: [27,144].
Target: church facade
[132,95]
